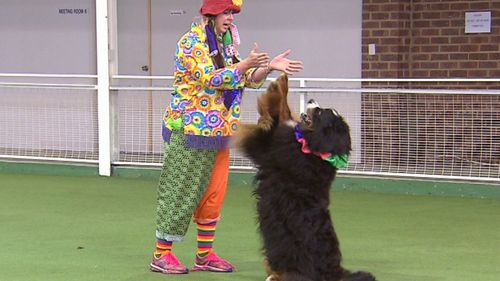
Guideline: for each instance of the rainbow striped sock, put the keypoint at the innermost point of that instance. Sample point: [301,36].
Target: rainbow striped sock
[162,247]
[206,233]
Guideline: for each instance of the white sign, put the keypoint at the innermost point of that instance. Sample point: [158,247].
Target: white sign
[478,22]
[72,11]
[177,12]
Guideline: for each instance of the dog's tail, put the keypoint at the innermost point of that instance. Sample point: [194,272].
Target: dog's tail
[358,276]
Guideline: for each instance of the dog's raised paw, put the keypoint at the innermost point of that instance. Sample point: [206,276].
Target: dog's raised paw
[265,124]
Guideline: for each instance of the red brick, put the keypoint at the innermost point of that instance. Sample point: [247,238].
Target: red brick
[370,74]
[478,56]
[390,41]
[476,5]
[435,41]
[429,65]
[494,73]
[438,73]
[370,8]
[394,7]
[389,74]
[449,31]
[494,56]
[430,32]
[418,57]
[390,57]
[421,40]
[371,24]
[468,48]
[440,40]
[440,23]
[488,64]
[468,65]
[431,15]
[495,39]
[379,65]
[459,40]
[421,23]
[439,6]
[449,48]
[459,56]
[459,23]
[440,57]
[420,74]
[479,39]
[448,65]
[380,33]
[452,15]
[460,6]
[380,16]
[399,16]
[477,73]
[489,48]
[458,73]
[390,24]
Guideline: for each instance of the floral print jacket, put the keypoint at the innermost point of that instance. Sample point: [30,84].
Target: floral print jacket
[197,106]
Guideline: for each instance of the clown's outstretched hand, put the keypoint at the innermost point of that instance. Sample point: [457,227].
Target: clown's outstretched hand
[282,63]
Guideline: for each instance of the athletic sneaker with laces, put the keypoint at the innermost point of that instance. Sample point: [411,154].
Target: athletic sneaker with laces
[212,262]
[168,264]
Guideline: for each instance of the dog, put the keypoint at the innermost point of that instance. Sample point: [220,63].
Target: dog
[297,159]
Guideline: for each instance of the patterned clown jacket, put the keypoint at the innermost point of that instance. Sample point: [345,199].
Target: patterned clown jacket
[205,103]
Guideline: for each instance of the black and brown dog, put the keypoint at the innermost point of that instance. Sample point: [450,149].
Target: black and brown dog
[296,161]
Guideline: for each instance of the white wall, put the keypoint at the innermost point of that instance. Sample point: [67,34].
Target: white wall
[48,36]
[324,34]
[58,36]
[42,36]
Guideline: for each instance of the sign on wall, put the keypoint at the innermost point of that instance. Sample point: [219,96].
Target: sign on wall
[478,22]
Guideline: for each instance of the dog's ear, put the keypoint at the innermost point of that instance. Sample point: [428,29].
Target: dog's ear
[330,133]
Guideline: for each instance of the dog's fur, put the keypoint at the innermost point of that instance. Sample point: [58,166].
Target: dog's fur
[299,240]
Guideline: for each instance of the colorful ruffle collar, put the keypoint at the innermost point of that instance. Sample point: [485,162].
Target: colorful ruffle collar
[338,160]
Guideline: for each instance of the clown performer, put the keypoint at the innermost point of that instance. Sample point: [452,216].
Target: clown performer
[203,114]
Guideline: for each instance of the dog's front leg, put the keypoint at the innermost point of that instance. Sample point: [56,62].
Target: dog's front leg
[285,113]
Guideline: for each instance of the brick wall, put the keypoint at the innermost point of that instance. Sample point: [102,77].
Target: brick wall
[426,38]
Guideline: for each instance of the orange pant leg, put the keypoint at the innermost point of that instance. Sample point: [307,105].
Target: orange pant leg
[210,205]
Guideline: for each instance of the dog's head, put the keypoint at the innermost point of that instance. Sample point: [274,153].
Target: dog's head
[325,130]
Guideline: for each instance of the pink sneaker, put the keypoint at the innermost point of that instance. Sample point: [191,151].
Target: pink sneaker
[167,264]
[212,262]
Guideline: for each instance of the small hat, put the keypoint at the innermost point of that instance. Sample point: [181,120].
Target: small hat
[215,7]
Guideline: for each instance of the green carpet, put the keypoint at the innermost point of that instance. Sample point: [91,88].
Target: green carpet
[56,228]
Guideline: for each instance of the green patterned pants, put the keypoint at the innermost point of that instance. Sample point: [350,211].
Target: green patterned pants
[183,180]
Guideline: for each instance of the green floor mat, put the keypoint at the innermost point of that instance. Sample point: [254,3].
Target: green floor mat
[56,228]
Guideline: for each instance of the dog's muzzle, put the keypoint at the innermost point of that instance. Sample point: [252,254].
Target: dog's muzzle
[312,104]
[304,118]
